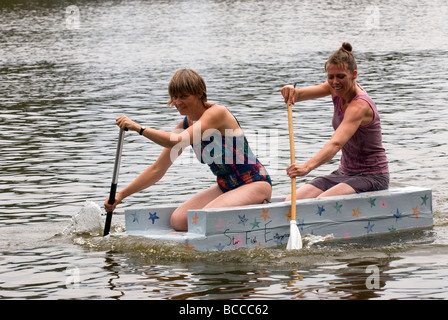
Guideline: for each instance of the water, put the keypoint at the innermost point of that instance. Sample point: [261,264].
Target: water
[66,76]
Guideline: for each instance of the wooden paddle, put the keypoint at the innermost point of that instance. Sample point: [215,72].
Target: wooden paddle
[295,239]
[113,187]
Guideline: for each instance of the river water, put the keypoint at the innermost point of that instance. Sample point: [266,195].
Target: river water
[68,68]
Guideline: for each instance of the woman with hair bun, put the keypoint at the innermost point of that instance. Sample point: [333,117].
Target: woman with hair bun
[363,166]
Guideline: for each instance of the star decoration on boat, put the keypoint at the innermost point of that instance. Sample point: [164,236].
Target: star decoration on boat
[356,212]
[416,212]
[153,217]
[219,224]
[219,246]
[338,207]
[424,199]
[288,216]
[243,219]
[369,227]
[265,214]
[195,218]
[237,241]
[320,210]
[255,224]
[397,215]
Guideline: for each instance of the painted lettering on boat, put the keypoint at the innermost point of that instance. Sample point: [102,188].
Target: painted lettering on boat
[253,236]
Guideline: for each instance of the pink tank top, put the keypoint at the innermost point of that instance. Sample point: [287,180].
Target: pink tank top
[364,152]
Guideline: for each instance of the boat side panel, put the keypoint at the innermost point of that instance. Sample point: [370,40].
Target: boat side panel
[152,220]
[268,224]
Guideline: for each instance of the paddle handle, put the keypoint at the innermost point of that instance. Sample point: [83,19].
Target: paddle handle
[293,160]
[113,187]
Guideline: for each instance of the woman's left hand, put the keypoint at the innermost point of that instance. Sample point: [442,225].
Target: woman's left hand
[124,122]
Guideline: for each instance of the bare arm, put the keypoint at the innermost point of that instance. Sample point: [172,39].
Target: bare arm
[216,118]
[292,95]
[149,177]
[356,113]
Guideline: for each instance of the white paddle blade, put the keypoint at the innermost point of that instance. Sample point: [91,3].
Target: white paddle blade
[295,240]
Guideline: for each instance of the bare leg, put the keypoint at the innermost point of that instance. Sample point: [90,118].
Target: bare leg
[308,191]
[200,200]
[252,193]
[338,190]
[213,197]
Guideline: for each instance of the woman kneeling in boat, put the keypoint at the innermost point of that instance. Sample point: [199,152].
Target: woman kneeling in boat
[216,138]
[363,165]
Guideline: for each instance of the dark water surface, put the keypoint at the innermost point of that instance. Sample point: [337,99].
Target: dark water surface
[67,71]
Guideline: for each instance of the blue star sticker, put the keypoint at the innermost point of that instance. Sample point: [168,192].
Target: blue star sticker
[219,246]
[243,219]
[369,227]
[320,210]
[397,215]
[153,217]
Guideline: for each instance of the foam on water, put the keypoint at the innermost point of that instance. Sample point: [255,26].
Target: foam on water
[86,229]
[316,249]
[87,221]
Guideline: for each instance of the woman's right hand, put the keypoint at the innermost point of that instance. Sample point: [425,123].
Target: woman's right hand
[111,207]
[297,170]
[288,93]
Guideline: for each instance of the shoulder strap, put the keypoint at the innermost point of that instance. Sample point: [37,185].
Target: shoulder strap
[185,124]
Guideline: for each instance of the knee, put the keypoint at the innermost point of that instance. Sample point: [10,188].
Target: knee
[264,191]
[179,221]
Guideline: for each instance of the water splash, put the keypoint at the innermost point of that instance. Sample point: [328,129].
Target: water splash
[310,239]
[87,221]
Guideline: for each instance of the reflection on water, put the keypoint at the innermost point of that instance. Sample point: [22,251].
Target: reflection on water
[63,83]
[129,268]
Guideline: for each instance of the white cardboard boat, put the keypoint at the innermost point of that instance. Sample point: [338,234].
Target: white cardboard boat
[267,225]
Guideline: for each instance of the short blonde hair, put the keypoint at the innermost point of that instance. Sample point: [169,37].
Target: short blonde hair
[187,82]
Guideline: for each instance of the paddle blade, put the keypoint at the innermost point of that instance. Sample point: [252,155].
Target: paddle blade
[295,239]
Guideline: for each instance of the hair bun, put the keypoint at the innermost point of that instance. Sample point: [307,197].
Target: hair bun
[344,56]
[347,47]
